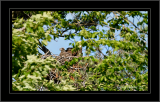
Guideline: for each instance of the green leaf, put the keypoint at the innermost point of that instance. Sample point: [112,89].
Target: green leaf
[33,77]
[29,30]
[105,79]
[21,77]
[49,38]
[76,60]
[117,48]
[102,78]
[70,43]
[18,41]
[44,42]
[44,73]
[40,29]
[30,39]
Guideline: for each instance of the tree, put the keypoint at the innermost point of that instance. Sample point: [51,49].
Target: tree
[118,69]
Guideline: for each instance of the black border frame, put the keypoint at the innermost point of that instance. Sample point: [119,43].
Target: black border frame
[16,4]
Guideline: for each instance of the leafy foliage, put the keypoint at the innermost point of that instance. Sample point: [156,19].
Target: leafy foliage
[120,69]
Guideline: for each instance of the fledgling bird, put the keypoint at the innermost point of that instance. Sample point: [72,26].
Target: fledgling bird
[69,51]
[64,53]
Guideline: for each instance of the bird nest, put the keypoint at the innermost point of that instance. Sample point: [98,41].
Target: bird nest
[62,58]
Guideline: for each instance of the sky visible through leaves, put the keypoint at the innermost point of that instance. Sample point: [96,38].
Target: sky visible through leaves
[58,43]
[54,46]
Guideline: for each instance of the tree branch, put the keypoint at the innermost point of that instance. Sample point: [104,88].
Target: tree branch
[131,23]
[26,14]
[97,48]
[44,49]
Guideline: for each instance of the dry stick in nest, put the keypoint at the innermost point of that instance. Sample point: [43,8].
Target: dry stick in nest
[60,59]
[46,53]
[83,77]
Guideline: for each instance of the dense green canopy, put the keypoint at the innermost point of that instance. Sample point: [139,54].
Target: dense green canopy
[122,68]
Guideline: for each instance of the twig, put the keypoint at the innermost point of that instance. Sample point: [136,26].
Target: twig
[75,68]
[26,14]
[84,75]
[21,29]
[131,22]
[115,14]
[112,28]
[47,52]
[101,52]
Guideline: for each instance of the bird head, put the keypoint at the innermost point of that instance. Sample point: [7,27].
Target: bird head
[62,49]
